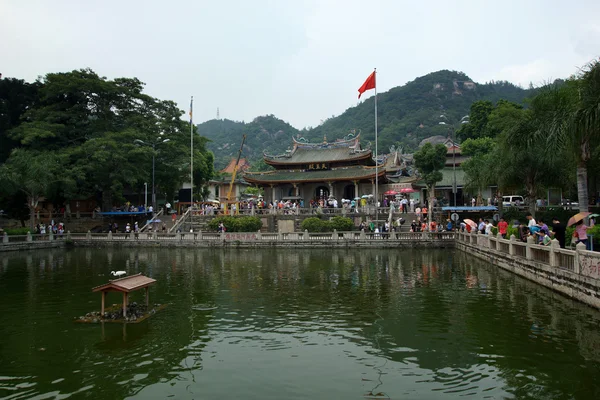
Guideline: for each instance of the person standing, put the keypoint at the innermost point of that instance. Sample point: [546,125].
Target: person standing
[558,231]
[488,227]
[502,228]
[581,234]
[481,226]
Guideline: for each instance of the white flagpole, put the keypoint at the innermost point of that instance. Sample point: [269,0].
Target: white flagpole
[376,162]
[192,152]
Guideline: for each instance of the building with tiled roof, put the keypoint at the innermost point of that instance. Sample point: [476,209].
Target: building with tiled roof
[342,169]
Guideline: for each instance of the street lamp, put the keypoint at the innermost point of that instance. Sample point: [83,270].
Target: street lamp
[153,144]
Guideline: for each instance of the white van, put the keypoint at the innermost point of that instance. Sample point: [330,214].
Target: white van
[512,201]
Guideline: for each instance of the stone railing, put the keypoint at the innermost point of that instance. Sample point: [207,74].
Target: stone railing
[265,237]
[32,238]
[575,273]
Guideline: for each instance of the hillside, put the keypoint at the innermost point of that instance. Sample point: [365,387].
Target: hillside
[407,114]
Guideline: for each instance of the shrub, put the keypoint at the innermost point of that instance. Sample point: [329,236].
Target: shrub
[248,224]
[315,224]
[342,223]
[236,224]
[16,231]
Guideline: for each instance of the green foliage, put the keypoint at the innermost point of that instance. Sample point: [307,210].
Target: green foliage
[316,224]
[571,121]
[16,97]
[430,160]
[17,231]
[31,173]
[512,231]
[236,224]
[407,114]
[89,125]
[342,224]
[477,147]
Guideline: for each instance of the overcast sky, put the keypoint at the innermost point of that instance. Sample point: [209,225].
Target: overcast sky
[300,60]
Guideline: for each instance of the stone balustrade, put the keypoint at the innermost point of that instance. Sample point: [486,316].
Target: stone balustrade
[575,273]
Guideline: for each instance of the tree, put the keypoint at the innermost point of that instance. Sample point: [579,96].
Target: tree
[430,160]
[478,119]
[479,168]
[528,163]
[31,173]
[572,121]
[16,97]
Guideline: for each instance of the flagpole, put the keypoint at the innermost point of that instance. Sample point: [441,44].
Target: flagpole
[191,159]
[376,162]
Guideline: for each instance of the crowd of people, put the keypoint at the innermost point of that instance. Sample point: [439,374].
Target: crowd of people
[52,227]
[538,229]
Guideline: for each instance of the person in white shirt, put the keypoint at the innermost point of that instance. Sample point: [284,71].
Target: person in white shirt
[531,221]
[488,227]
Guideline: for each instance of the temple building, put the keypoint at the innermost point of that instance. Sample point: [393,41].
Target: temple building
[341,169]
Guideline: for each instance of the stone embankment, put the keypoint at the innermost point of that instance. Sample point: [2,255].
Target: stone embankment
[305,239]
[574,273]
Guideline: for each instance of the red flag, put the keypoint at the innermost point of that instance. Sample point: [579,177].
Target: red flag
[368,85]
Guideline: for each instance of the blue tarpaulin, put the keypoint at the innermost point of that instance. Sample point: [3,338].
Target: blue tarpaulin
[469,208]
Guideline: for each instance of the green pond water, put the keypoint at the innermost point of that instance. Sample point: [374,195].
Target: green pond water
[292,324]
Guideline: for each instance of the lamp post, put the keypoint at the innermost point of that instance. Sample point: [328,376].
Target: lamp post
[454,188]
[153,144]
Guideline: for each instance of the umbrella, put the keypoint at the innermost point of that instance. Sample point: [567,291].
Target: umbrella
[577,217]
[357,198]
[390,193]
[472,223]
[594,215]
[407,190]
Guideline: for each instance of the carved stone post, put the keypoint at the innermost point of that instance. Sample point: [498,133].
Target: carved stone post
[530,243]
[554,256]
[577,265]
[511,245]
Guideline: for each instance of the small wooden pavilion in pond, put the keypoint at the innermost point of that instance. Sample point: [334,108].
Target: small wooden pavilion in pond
[125,285]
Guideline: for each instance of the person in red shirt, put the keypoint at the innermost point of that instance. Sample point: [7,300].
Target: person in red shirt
[502,228]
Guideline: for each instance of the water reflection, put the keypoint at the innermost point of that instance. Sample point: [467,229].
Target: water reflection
[342,324]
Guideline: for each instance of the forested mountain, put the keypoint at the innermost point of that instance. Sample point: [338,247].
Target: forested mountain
[429,105]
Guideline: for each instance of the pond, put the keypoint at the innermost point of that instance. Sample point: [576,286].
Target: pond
[292,324]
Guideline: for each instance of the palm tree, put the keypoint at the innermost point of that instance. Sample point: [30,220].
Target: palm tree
[572,120]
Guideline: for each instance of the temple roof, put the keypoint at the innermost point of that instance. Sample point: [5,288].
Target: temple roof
[338,174]
[308,155]
[303,152]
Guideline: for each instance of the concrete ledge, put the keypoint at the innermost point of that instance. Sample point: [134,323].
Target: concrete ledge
[15,246]
[312,244]
[571,284]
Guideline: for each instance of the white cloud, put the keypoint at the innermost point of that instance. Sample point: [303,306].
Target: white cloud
[302,61]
